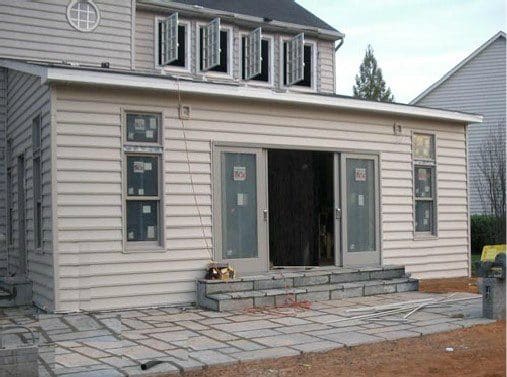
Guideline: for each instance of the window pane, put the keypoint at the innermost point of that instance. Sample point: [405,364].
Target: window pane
[360,205]
[142,221]
[142,176]
[180,62]
[264,75]
[143,127]
[423,146]
[423,182]
[307,81]
[239,206]
[424,216]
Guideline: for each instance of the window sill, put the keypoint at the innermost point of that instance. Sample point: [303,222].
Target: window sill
[131,249]
[423,236]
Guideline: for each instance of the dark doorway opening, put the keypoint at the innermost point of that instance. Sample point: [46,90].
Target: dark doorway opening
[301,208]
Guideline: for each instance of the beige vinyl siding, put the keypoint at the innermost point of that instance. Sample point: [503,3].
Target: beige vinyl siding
[3,172]
[145,51]
[39,30]
[94,273]
[27,98]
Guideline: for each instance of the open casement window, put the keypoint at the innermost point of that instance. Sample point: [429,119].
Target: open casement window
[211,45]
[37,182]
[423,151]
[143,180]
[168,39]
[294,60]
[265,73]
[252,54]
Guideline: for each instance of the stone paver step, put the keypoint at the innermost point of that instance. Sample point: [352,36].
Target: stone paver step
[245,299]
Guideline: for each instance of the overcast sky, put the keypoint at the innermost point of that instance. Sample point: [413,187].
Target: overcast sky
[415,41]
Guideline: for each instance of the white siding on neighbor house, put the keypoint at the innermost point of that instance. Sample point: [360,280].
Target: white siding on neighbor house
[145,51]
[92,271]
[3,191]
[39,30]
[478,87]
[27,98]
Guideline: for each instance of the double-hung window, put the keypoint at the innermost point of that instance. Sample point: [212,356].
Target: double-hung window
[143,167]
[37,182]
[425,202]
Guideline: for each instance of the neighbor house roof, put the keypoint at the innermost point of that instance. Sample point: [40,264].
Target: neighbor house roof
[79,75]
[286,11]
[500,34]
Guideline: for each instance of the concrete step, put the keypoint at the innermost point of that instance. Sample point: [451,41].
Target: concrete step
[272,297]
[15,291]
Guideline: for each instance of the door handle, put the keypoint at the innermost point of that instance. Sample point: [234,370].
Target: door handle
[338,213]
[265,215]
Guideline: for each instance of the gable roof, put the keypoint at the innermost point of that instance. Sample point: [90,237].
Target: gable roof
[500,34]
[278,10]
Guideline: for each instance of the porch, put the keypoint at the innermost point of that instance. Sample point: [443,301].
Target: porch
[285,287]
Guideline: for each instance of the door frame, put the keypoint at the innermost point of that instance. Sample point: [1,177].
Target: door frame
[244,266]
[21,198]
[359,257]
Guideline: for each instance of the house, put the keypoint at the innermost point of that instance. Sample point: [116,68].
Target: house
[477,84]
[142,139]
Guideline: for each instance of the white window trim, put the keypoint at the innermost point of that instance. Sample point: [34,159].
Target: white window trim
[230,61]
[97,22]
[433,164]
[37,154]
[254,83]
[297,88]
[143,246]
[188,32]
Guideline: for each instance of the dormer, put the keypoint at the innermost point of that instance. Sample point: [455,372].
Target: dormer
[278,45]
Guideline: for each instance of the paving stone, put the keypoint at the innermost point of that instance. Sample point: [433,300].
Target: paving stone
[246,326]
[174,335]
[210,357]
[398,334]
[214,321]
[139,352]
[326,318]
[320,346]
[263,302]
[378,289]
[380,329]
[199,343]
[335,330]
[235,304]
[218,335]
[436,328]
[257,333]
[267,353]
[290,321]
[90,352]
[70,360]
[303,328]
[313,296]
[351,338]
[118,361]
[82,322]
[191,325]
[245,345]
[156,344]
[475,321]
[285,340]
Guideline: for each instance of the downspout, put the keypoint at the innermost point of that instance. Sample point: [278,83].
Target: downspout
[341,39]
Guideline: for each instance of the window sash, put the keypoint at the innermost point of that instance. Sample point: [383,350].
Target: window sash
[168,34]
[211,46]
[253,54]
[294,60]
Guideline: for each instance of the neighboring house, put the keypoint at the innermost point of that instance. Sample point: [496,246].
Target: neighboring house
[142,139]
[476,85]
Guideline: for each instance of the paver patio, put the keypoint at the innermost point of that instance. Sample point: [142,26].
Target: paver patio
[117,343]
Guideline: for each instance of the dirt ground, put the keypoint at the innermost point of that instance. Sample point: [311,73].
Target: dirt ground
[478,351]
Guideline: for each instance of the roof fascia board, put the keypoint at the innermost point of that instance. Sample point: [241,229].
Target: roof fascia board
[239,18]
[63,75]
[458,67]
[31,69]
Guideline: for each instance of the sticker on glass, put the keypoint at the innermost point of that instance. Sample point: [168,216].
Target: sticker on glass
[131,235]
[153,123]
[241,200]
[139,124]
[146,209]
[149,134]
[138,167]
[360,174]
[131,191]
[360,200]
[422,175]
[147,166]
[150,232]
[239,173]
[140,192]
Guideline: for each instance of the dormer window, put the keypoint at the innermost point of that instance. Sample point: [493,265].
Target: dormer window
[172,42]
[290,78]
[265,62]
[215,47]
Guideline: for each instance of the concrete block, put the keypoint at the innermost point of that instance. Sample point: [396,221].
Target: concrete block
[493,298]
[313,296]
[411,285]
[348,290]
[265,301]
[225,286]
[304,281]
[379,289]
[273,284]
[348,277]
[235,304]
[388,273]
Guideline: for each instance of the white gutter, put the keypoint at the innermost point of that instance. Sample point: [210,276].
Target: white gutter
[207,12]
[100,78]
